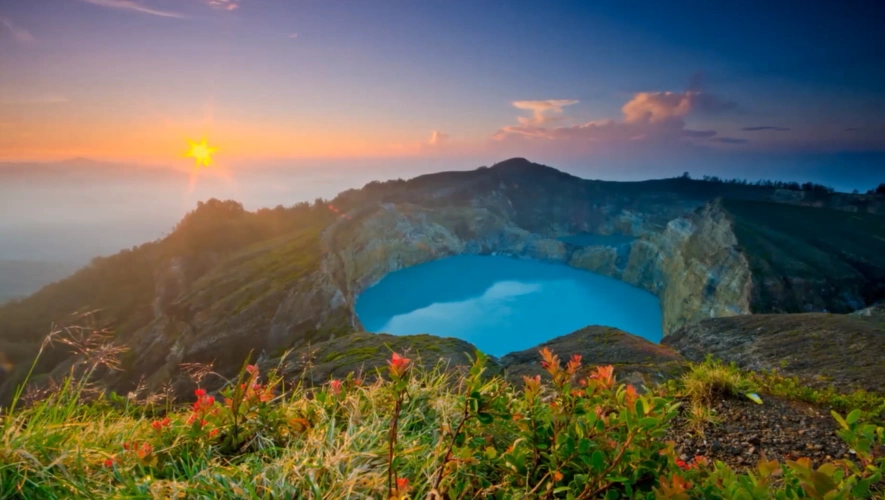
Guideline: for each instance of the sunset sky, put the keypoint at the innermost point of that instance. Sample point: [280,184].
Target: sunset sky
[762,82]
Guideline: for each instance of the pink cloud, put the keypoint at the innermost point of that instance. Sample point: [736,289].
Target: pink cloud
[133,6]
[437,137]
[223,4]
[20,34]
[647,117]
[542,111]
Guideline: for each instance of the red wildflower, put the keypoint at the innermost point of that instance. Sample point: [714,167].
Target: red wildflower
[574,364]
[200,393]
[682,465]
[630,396]
[398,365]
[159,425]
[335,387]
[604,375]
[109,463]
[144,451]
[402,485]
[252,370]
[213,433]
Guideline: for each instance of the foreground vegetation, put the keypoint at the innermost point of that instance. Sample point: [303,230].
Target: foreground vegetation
[575,433]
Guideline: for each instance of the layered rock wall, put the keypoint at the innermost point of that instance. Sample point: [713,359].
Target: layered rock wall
[693,265]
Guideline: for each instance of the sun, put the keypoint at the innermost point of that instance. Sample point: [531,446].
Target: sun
[201,153]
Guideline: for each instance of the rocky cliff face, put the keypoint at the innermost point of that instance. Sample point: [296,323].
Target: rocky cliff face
[693,265]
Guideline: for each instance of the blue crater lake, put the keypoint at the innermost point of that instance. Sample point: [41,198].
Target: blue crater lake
[501,304]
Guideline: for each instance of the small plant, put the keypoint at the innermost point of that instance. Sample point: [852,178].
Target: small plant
[575,433]
[712,378]
[699,416]
[398,368]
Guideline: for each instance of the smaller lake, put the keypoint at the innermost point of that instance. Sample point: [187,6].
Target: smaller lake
[589,239]
[501,304]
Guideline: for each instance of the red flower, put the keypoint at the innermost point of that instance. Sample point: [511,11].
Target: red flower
[604,375]
[335,387]
[252,370]
[630,396]
[159,425]
[144,451]
[682,465]
[109,463]
[574,364]
[402,485]
[398,365]
[213,433]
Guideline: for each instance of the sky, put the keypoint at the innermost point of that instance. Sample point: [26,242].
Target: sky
[611,89]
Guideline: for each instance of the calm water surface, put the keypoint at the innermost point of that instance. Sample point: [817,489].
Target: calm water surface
[501,304]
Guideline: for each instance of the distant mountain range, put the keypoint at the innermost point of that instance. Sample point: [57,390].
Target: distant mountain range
[82,169]
[20,278]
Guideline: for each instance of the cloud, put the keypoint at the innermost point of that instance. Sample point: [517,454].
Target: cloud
[133,6]
[766,127]
[20,34]
[655,107]
[293,35]
[730,140]
[647,117]
[223,4]
[437,137]
[541,110]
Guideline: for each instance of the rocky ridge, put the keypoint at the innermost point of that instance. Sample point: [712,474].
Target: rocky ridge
[703,256]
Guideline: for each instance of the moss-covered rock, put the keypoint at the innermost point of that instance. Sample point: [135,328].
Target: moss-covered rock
[363,354]
[847,351]
[636,359]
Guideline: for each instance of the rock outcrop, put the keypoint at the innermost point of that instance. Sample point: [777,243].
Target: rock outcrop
[635,359]
[846,351]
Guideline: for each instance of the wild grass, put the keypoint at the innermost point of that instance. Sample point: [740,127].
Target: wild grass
[411,433]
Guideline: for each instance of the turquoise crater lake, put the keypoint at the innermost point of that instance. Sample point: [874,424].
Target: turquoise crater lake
[501,304]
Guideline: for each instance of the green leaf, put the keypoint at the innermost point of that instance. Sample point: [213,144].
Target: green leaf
[649,422]
[485,418]
[597,461]
[754,398]
[839,419]
[852,417]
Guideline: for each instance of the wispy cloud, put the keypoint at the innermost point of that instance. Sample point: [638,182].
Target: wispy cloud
[20,34]
[730,140]
[293,35]
[223,4]
[766,127]
[542,111]
[133,6]
[653,107]
[437,137]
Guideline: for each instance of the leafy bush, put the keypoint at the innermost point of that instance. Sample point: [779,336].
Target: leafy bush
[409,434]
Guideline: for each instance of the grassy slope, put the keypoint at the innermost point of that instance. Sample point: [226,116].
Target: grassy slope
[814,248]
[328,443]
[229,259]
